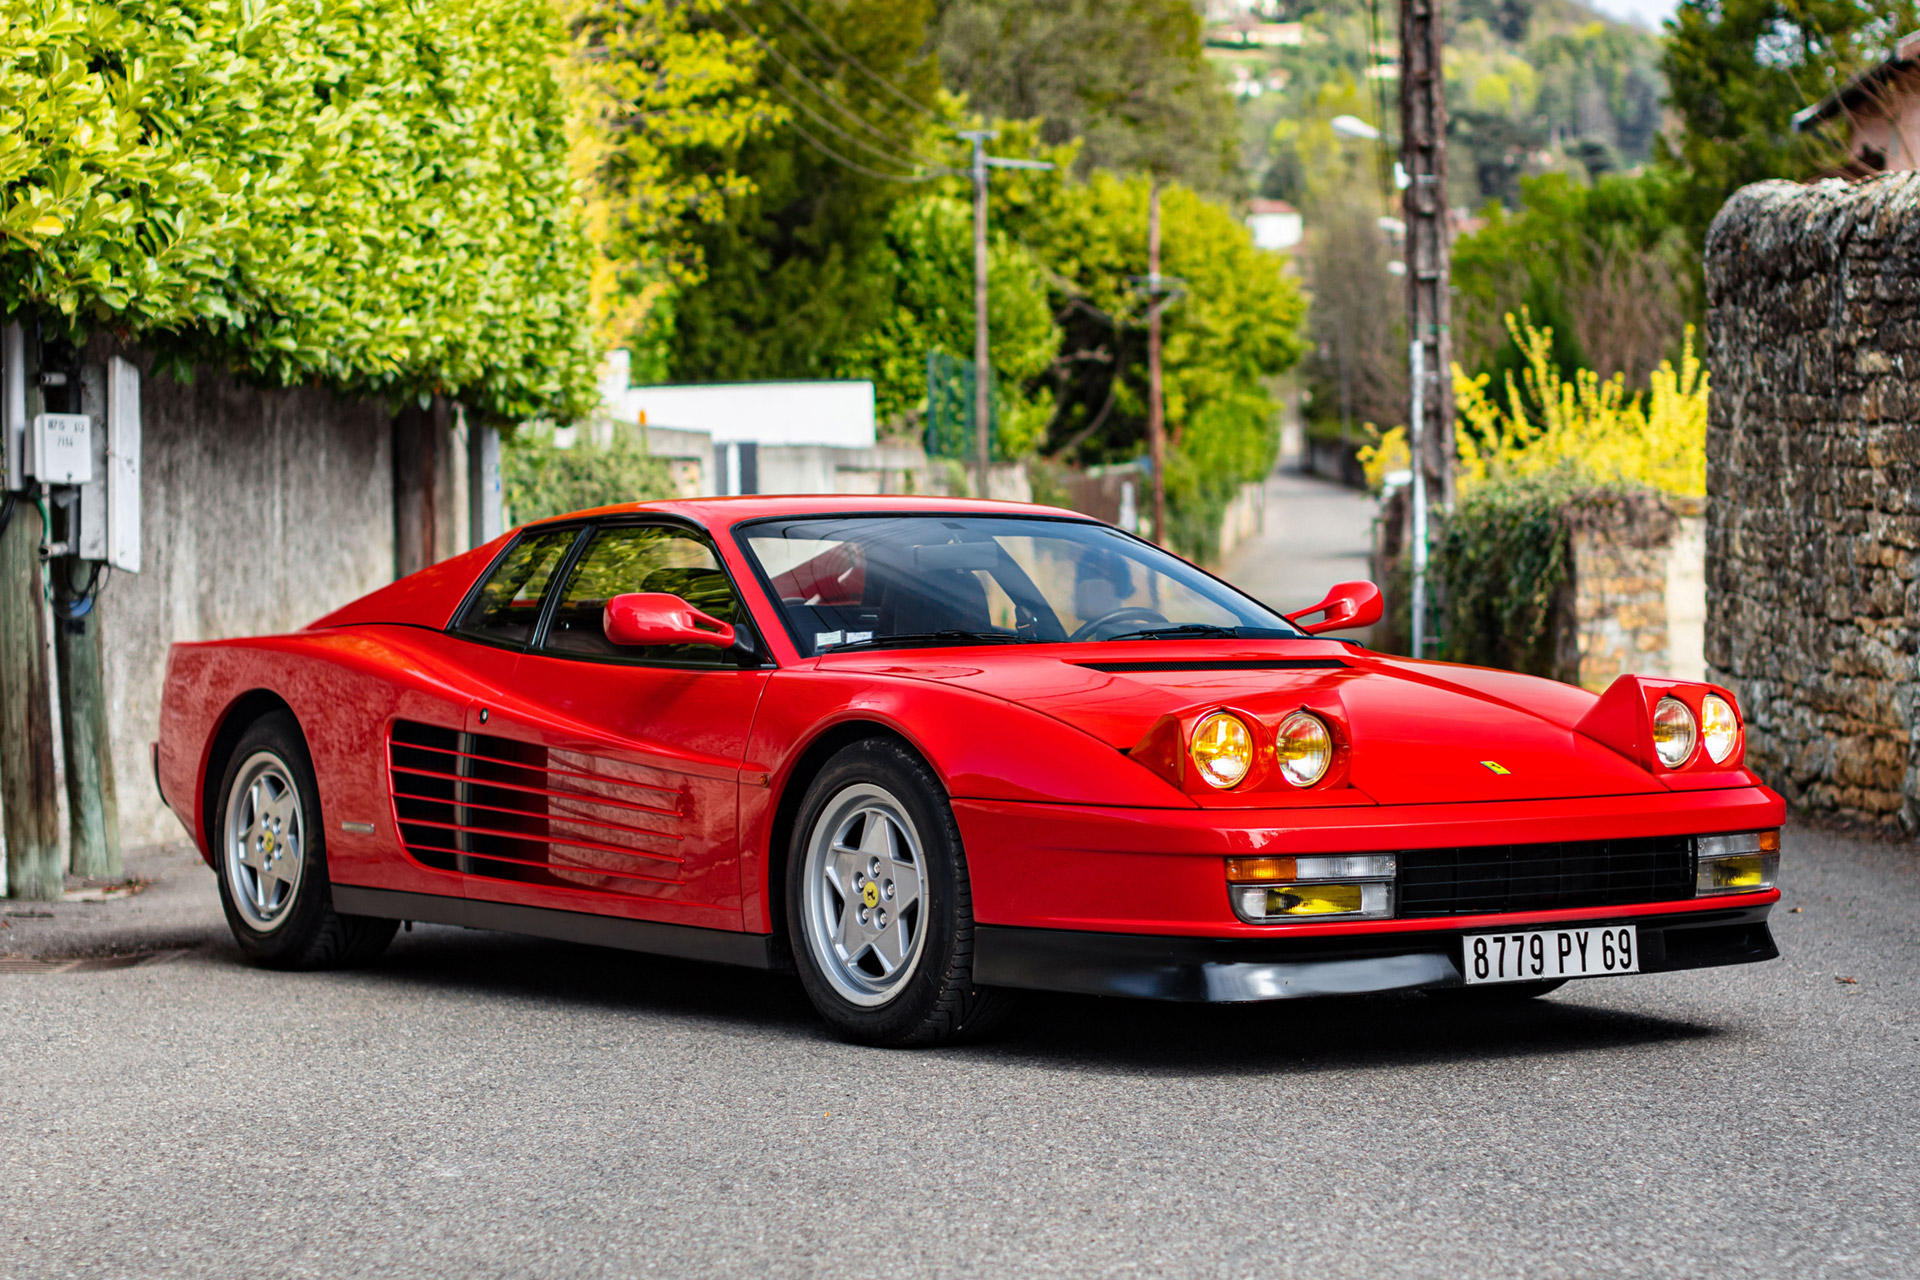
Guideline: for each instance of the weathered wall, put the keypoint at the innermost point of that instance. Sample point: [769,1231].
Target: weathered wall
[1813,478]
[1637,595]
[261,510]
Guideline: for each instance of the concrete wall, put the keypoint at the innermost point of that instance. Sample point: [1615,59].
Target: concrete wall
[261,510]
[1813,478]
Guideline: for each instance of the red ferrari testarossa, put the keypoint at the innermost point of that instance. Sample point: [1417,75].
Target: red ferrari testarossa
[925,751]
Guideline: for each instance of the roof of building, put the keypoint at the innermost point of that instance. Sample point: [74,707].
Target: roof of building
[1863,88]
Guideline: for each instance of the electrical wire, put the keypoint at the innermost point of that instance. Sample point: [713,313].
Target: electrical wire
[858,65]
[866,146]
[842,107]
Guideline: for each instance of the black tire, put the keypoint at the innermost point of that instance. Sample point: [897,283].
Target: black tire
[1498,993]
[303,931]
[935,999]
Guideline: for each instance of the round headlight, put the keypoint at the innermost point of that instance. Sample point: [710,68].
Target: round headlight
[1222,749]
[1719,727]
[1673,732]
[1304,747]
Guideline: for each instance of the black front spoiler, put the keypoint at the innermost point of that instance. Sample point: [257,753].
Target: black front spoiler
[1280,968]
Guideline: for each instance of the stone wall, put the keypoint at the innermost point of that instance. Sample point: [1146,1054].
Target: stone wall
[1813,478]
[1637,595]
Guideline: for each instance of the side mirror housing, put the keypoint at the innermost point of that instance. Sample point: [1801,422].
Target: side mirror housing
[655,617]
[1348,606]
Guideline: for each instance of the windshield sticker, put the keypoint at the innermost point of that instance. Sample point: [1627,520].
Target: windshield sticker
[822,639]
[855,637]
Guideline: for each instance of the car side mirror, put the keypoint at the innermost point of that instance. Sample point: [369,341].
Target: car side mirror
[1349,605]
[656,617]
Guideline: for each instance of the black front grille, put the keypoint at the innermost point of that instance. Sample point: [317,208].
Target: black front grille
[1544,877]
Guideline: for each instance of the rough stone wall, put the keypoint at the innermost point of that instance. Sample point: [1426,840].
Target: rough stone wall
[260,511]
[1813,479]
[1637,595]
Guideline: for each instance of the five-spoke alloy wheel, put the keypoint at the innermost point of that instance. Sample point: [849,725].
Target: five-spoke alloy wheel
[878,903]
[270,851]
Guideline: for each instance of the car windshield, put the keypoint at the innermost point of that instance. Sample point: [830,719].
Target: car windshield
[907,581]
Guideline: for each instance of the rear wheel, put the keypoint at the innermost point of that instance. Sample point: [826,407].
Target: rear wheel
[272,858]
[878,896]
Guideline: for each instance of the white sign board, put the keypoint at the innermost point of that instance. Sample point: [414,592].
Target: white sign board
[60,448]
[123,465]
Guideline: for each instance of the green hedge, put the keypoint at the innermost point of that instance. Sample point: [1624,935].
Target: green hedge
[1502,561]
[369,193]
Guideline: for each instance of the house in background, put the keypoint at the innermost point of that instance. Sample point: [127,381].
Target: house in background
[1275,224]
[1880,110]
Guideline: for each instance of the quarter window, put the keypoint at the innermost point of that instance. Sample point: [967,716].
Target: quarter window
[508,606]
[628,558]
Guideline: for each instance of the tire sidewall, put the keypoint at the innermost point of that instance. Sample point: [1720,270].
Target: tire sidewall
[288,941]
[946,905]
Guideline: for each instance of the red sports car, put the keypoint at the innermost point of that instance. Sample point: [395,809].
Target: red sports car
[924,752]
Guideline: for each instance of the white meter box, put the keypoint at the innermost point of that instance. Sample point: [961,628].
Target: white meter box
[60,448]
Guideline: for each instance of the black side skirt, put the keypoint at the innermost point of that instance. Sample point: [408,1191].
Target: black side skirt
[753,950]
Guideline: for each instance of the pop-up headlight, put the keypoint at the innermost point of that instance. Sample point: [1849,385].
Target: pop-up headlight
[1324,886]
[1744,863]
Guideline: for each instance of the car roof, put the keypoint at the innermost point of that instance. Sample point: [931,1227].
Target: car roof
[716,513]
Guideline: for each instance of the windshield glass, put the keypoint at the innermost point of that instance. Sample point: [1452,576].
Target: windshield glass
[901,581]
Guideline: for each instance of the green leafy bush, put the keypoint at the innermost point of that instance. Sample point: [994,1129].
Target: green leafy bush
[1502,559]
[540,477]
[372,193]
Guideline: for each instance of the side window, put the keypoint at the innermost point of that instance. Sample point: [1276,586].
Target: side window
[626,558]
[508,606]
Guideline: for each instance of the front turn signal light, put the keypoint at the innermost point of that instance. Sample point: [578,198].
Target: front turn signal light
[1744,863]
[1673,732]
[1321,886]
[1222,749]
[1719,727]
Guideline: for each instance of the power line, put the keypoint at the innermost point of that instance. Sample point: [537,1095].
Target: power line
[864,145]
[858,65]
[842,107]
[857,167]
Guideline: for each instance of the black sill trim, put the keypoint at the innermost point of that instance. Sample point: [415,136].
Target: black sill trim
[1230,970]
[1216,664]
[751,950]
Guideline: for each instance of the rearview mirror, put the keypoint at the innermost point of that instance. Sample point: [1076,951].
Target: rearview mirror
[655,617]
[1348,606]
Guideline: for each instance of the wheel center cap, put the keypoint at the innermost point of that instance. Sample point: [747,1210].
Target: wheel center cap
[870,894]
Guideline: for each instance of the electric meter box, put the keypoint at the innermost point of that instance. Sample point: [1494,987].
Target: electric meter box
[60,448]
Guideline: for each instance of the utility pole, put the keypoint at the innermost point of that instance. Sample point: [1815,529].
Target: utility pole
[1156,401]
[1423,154]
[982,356]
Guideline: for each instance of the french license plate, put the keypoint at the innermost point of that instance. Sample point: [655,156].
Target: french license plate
[1550,953]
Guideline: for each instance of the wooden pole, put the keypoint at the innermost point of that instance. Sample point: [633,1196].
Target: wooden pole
[93,806]
[28,792]
[1156,403]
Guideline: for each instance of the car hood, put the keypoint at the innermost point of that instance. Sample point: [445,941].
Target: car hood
[1422,732]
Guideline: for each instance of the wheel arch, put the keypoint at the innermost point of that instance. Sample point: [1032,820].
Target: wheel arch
[241,714]
[808,763]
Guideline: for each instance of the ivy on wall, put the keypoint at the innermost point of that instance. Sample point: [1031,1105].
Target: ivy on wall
[369,193]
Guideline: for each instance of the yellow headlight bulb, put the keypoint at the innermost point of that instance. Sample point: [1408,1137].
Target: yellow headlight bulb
[1222,749]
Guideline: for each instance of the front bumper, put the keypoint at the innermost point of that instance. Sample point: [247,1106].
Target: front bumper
[1167,967]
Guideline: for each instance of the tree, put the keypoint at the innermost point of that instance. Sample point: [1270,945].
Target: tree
[1127,79]
[1736,72]
[795,273]
[366,192]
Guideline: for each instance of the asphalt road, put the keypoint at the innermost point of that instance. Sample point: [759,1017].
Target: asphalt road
[479,1105]
[1316,533]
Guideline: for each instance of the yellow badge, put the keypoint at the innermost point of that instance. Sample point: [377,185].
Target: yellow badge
[1497,767]
[870,894]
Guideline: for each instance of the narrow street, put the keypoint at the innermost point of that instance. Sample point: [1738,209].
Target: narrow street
[482,1105]
[1317,533]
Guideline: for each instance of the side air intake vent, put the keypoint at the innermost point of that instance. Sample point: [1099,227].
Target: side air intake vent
[511,810]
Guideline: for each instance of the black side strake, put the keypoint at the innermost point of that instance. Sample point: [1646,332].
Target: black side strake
[1216,664]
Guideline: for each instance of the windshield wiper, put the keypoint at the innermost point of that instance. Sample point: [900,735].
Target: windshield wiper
[909,639]
[1202,630]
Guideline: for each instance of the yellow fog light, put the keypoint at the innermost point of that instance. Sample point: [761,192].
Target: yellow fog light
[1356,886]
[1719,727]
[1222,749]
[1673,732]
[1744,863]
[1304,748]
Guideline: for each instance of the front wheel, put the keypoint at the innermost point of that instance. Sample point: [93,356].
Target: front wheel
[878,896]
[272,858]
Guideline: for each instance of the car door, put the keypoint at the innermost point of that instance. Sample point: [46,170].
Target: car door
[622,765]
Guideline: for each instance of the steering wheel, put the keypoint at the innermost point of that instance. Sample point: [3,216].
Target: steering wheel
[1131,614]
